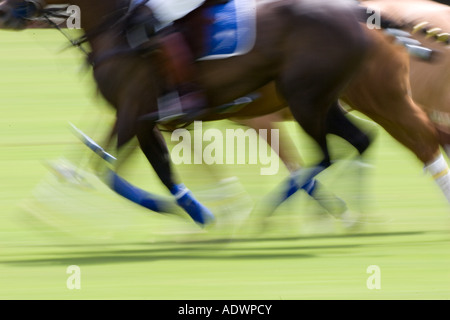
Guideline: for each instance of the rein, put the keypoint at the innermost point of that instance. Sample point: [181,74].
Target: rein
[107,25]
[77,42]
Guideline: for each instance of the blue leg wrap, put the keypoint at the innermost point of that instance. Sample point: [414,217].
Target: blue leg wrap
[136,195]
[314,189]
[293,187]
[198,212]
[308,184]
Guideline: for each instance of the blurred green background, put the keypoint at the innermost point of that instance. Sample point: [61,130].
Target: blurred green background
[126,252]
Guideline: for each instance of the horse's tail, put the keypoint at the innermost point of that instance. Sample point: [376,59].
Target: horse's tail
[432,32]
[364,14]
[402,32]
[424,27]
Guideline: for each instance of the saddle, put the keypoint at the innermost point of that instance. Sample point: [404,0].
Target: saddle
[217,29]
[182,42]
[201,34]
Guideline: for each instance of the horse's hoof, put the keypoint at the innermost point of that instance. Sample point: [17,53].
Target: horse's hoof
[173,118]
[198,212]
[349,220]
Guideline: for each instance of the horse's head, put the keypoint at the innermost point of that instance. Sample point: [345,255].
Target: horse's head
[15,14]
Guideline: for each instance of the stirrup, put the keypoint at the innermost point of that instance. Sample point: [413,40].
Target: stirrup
[169,110]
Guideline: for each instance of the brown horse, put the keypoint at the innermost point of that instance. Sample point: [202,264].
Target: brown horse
[429,23]
[312,49]
[431,98]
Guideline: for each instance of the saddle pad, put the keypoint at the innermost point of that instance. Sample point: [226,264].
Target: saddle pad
[233,30]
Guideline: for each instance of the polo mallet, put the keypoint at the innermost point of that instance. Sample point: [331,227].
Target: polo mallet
[119,184]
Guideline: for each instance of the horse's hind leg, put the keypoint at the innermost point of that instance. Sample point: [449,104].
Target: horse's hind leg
[314,76]
[407,123]
[413,129]
[383,95]
[339,125]
[316,71]
[294,164]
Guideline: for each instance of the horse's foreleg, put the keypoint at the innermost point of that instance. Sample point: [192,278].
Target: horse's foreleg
[154,147]
[126,151]
[117,183]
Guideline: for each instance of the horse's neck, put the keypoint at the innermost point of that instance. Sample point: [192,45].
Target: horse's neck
[99,21]
[95,13]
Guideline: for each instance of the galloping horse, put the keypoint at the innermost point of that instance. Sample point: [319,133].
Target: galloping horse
[429,23]
[312,49]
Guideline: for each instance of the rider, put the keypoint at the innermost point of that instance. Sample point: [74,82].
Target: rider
[185,100]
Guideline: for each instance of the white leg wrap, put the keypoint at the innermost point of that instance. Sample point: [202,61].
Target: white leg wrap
[447,150]
[440,172]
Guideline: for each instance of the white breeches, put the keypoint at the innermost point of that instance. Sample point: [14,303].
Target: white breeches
[167,11]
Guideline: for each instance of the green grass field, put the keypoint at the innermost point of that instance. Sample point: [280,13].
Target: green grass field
[126,252]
